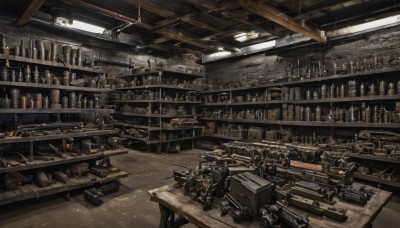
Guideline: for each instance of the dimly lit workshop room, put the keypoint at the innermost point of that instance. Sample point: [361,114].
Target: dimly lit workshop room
[200,113]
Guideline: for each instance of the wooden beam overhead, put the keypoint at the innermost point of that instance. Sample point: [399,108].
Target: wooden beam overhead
[32,8]
[275,15]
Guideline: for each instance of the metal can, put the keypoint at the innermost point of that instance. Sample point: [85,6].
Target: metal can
[46,103]
[40,49]
[398,87]
[4,74]
[34,53]
[20,76]
[315,95]
[67,54]
[332,91]
[90,104]
[74,55]
[13,76]
[308,95]
[318,114]
[24,102]
[27,74]
[54,96]
[84,102]
[36,75]
[324,93]
[72,100]
[342,90]
[47,76]
[368,114]
[307,114]
[382,88]
[38,101]
[371,91]
[64,102]
[15,97]
[53,51]
[65,80]
[391,89]
[362,89]
[352,88]
[79,57]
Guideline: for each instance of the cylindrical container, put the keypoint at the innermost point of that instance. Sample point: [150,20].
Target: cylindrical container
[90,104]
[307,115]
[13,76]
[65,78]
[72,100]
[47,77]
[34,53]
[54,97]
[315,95]
[4,74]
[67,54]
[74,55]
[352,114]
[342,90]
[40,49]
[23,50]
[371,91]
[96,103]
[324,89]
[56,81]
[386,116]
[27,74]
[47,55]
[17,51]
[79,57]
[352,88]
[36,75]
[38,101]
[31,103]
[375,114]
[382,88]
[72,78]
[79,104]
[297,93]
[15,97]
[20,76]
[368,114]
[362,89]
[53,55]
[84,102]
[24,102]
[46,102]
[308,95]
[398,87]
[332,91]
[64,102]
[297,113]
[391,89]
[318,114]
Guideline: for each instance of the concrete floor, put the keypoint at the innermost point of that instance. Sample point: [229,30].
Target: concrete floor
[130,207]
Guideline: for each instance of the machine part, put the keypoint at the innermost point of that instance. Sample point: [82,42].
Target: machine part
[13,180]
[267,219]
[110,187]
[60,176]
[353,196]
[80,169]
[94,196]
[255,134]
[290,217]
[238,212]
[99,171]
[55,150]
[251,190]
[41,179]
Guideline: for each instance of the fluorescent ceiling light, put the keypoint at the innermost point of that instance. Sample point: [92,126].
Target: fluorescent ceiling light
[220,49]
[80,25]
[245,36]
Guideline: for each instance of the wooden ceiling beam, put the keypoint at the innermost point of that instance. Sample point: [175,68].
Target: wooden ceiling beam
[275,15]
[31,10]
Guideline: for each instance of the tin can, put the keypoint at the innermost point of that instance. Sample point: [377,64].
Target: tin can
[64,102]
[27,74]
[72,100]
[46,103]
[38,101]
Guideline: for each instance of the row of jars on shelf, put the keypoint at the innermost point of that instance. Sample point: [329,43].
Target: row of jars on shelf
[157,80]
[168,109]
[155,96]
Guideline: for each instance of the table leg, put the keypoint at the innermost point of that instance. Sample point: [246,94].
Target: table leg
[167,217]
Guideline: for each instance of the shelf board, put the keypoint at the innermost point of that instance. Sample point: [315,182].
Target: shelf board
[59,161]
[157,128]
[305,123]
[377,180]
[155,115]
[49,63]
[60,87]
[373,157]
[246,103]
[55,110]
[156,141]
[161,72]
[156,87]
[156,101]
[223,137]
[311,80]
[60,136]
[32,191]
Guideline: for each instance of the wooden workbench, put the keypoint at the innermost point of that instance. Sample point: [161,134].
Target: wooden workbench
[172,201]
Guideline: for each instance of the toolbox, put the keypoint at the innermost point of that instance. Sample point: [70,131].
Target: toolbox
[251,191]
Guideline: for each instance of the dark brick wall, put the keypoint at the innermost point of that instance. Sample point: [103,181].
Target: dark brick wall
[384,44]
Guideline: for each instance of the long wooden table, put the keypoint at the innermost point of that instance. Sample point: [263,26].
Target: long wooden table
[173,201]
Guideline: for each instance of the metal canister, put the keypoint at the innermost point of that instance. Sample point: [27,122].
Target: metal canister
[34,53]
[375,116]
[368,114]
[31,103]
[24,102]
[23,50]
[352,114]
[16,51]
[97,103]
[84,102]
[371,90]
[20,75]
[307,114]
[74,55]
[90,104]
[47,55]
[36,75]
[14,97]
[67,54]
[391,89]
[47,77]
[352,88]
[79,57]
[53,54]
[308,95]
[318,114]
[40,49]
[315,95]
[56,81]
[342,90]
[64,102]
[27,74]
[38,101]
[297,93]
[13,76]
[54,98]
[382,88]
[324,93]
[362,89]
[386,116]
[72,77]
[72,100]
[46,103]
[65,78]
[297,113]
[4,74]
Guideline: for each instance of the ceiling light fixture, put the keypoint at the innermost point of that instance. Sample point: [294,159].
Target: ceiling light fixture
[80,25]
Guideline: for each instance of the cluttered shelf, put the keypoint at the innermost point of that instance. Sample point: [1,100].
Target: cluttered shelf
[55,110]
[157,87]
[149,128]
[49,63]
[310,80]
[377,180]
[154,115]
[157,141]
[61,87]
[81,133]
[308,123]
[373,157]
[219,136]
[30,191]
[58,161]
[157,101]
[161,72]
